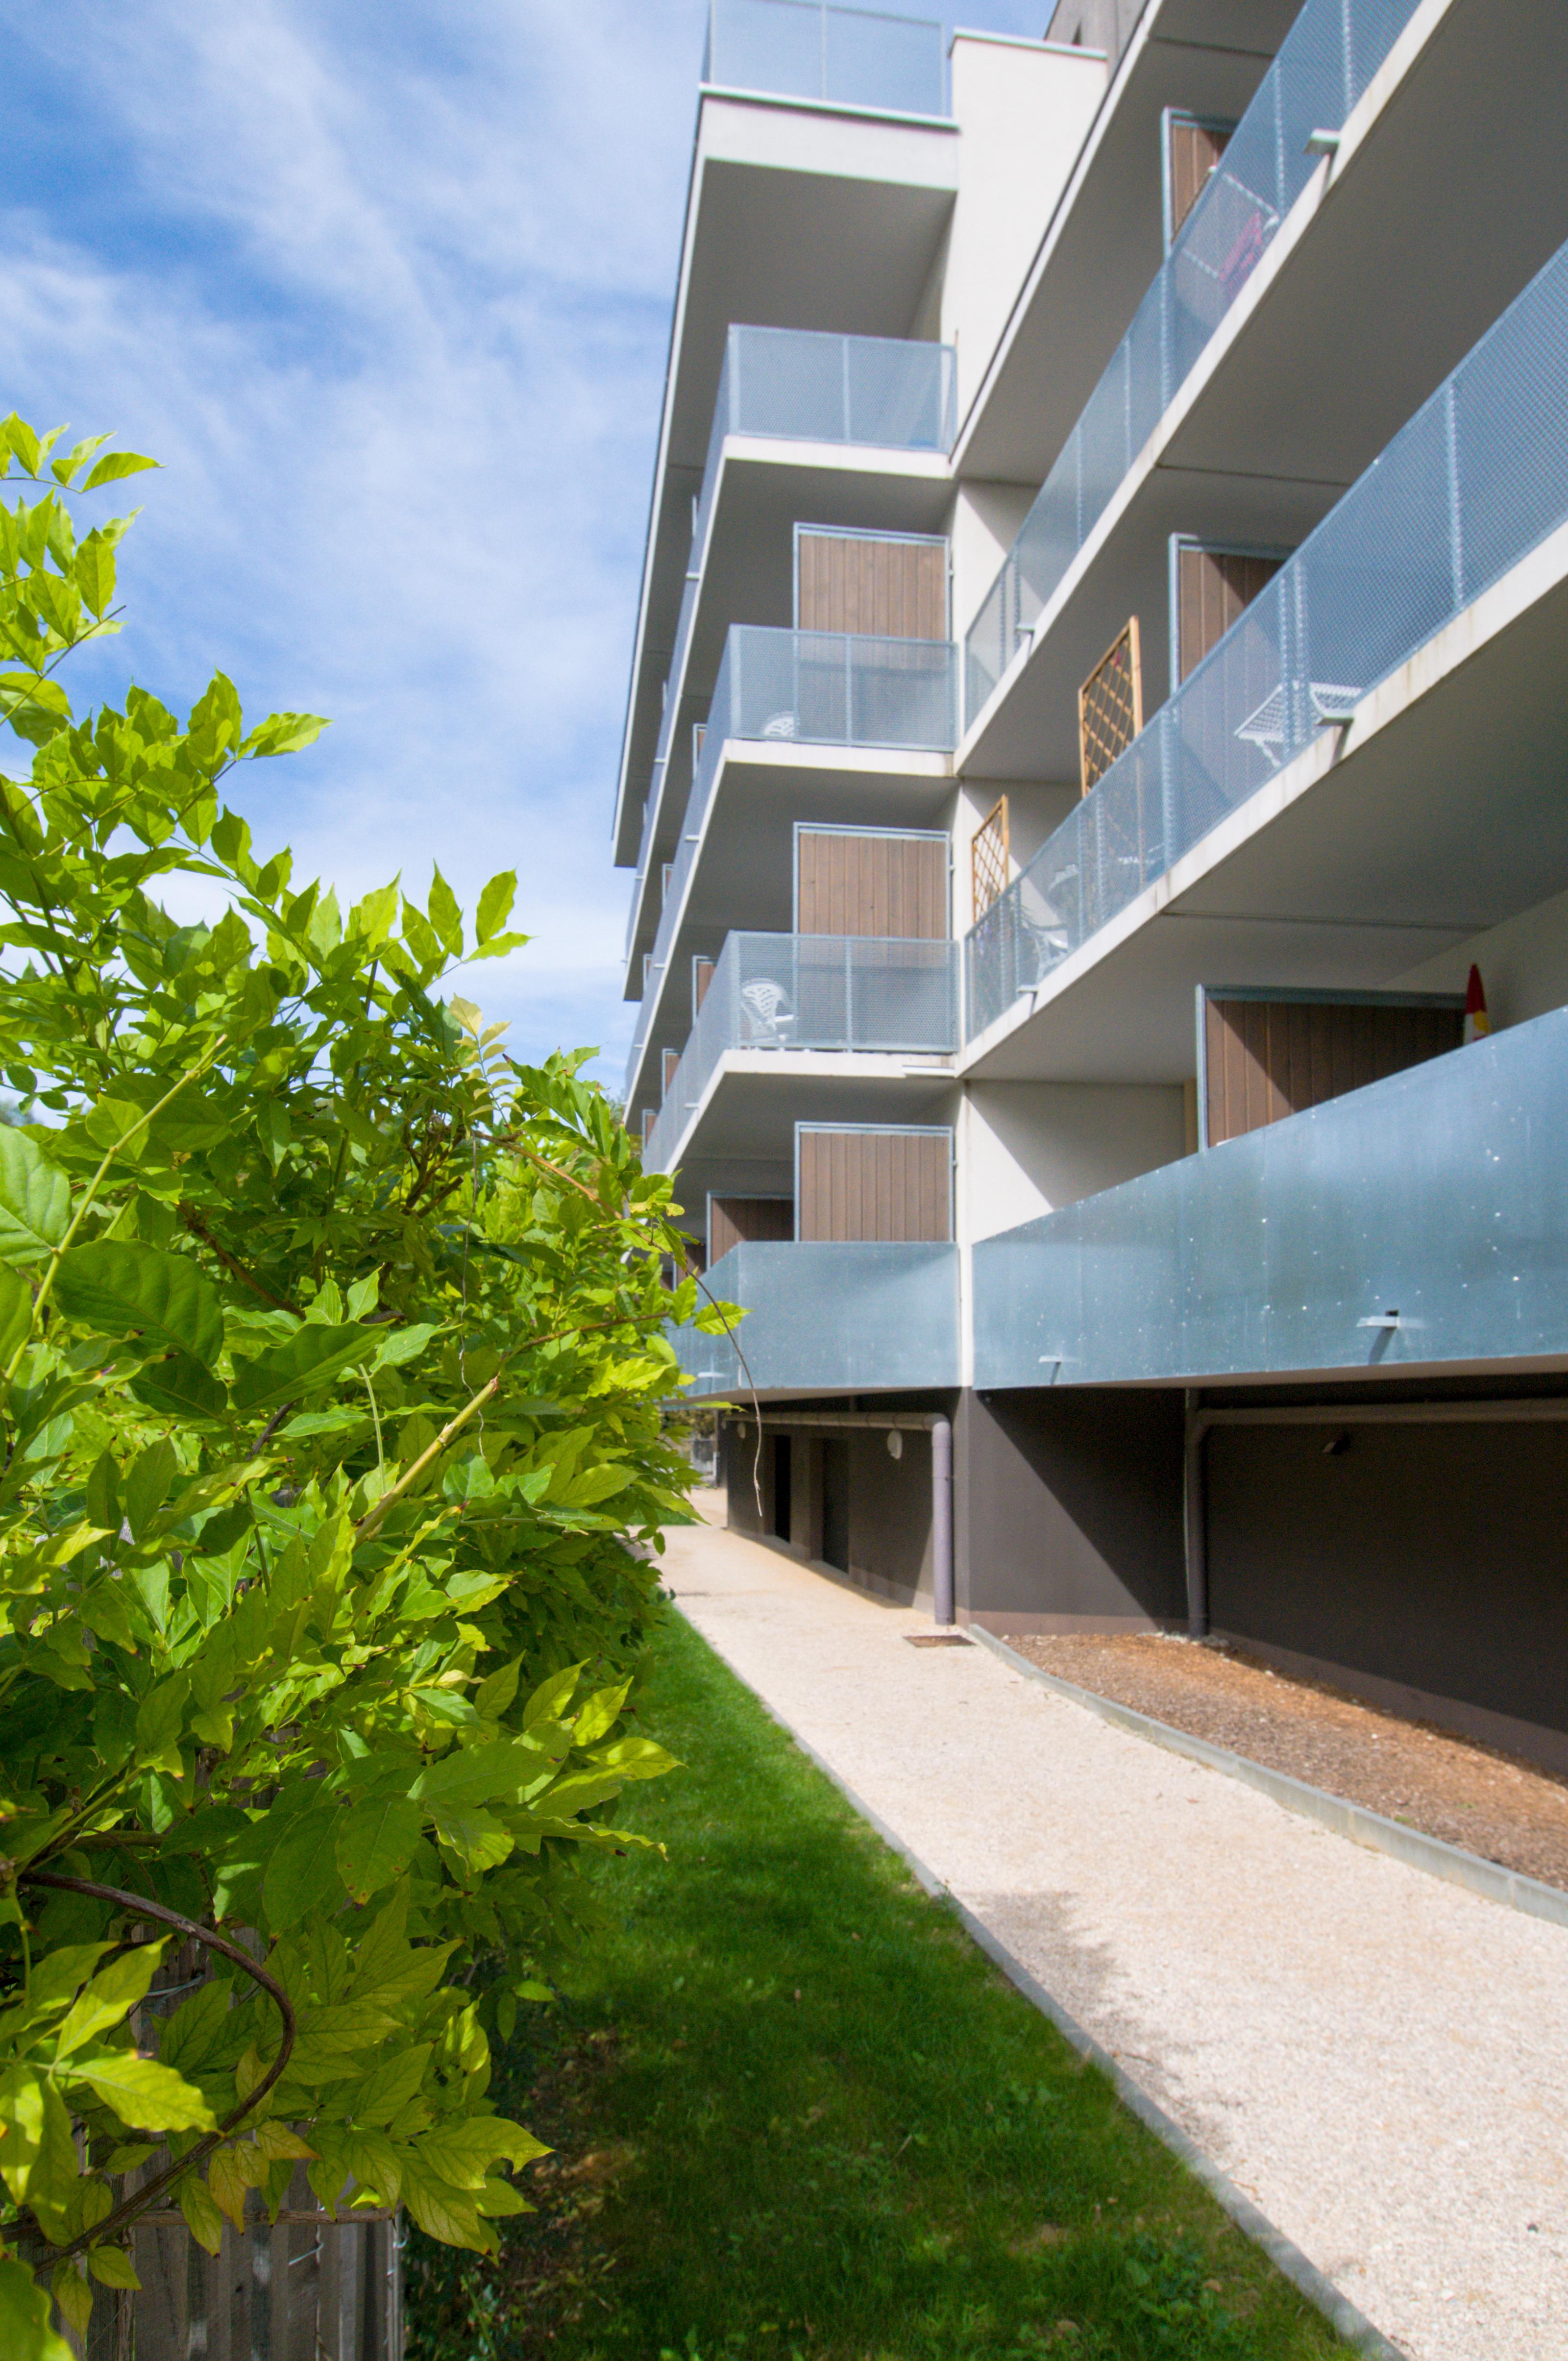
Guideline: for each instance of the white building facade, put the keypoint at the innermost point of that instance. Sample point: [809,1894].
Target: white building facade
[1098,712]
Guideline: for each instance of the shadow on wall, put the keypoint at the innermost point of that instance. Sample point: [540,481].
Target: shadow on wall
[1422,1565]
[1069,1510]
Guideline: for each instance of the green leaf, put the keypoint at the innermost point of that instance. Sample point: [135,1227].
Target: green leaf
[551,1698]
[203,2219]
[464,2153]
[387,2089]
[160,1716]
[495,1693]
[495,904]
[181,1388]
[309,1360]
[600,1712]
[112,2266]
[35,1198]
[25,2331]
[119,1287]
[376,1842]
[94,572]
[480,1841]
[145,2095]
[303,1873]
[441,2210]
[114,465]
[110,1997]
[16,1309]
[446,915]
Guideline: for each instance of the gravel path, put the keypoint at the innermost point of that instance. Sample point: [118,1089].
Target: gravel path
[1468,1795]
[1379,2059]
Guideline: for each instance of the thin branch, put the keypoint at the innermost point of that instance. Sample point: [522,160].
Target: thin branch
[139,1905]
[230,1263]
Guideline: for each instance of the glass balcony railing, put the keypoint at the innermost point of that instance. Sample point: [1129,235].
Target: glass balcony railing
[828,1317]
[849,57]
[1331,54]
[811,992]
[1422,1219]
[823,689]
[1476,479]
[797,385]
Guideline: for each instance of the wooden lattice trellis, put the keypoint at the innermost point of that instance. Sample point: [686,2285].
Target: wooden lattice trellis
[989,858]
[1111,705]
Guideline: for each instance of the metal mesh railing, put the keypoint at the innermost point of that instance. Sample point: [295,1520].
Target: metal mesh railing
[849,57]
[798,385]
[1331,54]
[1476,479]
[811,992]
[831,688]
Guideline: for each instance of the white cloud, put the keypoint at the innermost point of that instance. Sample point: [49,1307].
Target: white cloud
[387,288]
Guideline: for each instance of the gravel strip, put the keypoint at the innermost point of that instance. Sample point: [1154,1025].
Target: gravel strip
[1505,1810]
[1378,2059]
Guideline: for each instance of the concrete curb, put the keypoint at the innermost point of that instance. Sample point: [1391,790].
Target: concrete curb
[1451,1862]
[1286,2255]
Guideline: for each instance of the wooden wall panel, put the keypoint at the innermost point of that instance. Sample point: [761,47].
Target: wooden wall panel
[1265,1059]
[736,1221]
[702,976]
[1194,151]
[874,1185]
[891,589]
[872,882]
[1214,586]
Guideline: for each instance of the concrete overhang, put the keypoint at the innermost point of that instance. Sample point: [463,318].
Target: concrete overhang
[747,576]
[1437,813]
[755,1097]
[1106,239]
[799,216]
[743,874]
[1448,193]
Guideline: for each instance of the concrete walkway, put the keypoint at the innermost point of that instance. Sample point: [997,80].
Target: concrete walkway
[1378,2059]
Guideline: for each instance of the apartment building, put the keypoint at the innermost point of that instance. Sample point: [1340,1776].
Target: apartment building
[1097,719]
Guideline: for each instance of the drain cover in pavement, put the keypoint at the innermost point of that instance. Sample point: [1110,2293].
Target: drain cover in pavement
[937,1640]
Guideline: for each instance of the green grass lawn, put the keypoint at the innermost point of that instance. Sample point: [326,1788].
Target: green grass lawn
[797,2112]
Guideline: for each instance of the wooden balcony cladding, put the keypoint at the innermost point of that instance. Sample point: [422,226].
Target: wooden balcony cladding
[1111,705]
[668,1061]
[737,1220]
[889,586]
[702,976]
[1268,1057]
[1191,151]
[869,1184]
[990,860]
[872,882]
[1214,589]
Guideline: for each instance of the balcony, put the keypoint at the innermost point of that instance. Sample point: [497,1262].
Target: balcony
[792,386]
[837,57]
[828,1319]
[1422,1222]
[1327,60]
[809,689]
[792,992]
[1471,486]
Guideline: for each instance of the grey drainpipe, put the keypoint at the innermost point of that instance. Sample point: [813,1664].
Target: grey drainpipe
[1195,1512]
[942,1606]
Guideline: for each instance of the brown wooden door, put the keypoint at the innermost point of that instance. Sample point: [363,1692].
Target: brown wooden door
[736,1221]
[871,1184]
[1212,588]
[872,882]
[1193,151]
[892,589]
[1265,1059]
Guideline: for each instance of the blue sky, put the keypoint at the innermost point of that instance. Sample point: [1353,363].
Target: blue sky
[386,285]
